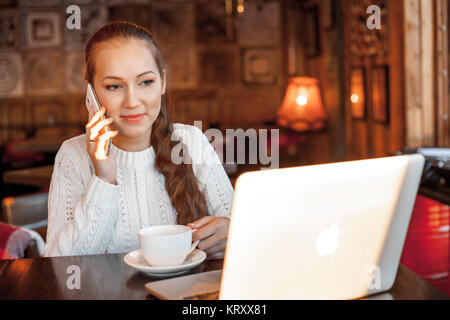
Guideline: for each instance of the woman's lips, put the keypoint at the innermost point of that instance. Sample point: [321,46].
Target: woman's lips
[133,118]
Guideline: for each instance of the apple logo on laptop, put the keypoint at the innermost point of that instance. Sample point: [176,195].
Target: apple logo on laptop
[328,240]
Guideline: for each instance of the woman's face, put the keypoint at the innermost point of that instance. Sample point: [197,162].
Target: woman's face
[127,83]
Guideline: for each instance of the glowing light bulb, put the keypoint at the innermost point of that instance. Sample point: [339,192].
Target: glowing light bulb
[240,6]
[354,98]
[301,100]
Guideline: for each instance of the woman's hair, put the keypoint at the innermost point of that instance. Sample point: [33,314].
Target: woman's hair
[180,182]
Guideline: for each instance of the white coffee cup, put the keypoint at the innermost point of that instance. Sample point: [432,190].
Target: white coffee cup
[166,245]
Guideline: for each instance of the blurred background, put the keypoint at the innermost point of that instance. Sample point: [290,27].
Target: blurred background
[336,85]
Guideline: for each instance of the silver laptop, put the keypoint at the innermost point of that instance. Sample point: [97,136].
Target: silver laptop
[332,231]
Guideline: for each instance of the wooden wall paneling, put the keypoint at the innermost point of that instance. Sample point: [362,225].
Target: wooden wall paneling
[428,76]
[346,67]
[339,15]
[314,148]
[397,122]
[327,146]
[283,53]
[290,13]
[14,113]
[357,134]
[17,114]
[16,133]
[419,76]
[369,137]
[360,140]
[75,115]
[364,133]
[4,132]
[3,113]
[375,143]
[412,73]
[75,112]
[378,139]
[48,112]
[332,88]
[442,87]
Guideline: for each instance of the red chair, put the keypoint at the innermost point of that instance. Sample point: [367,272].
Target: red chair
[426,249]
[17,242]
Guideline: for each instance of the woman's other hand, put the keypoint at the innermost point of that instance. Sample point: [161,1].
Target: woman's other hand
[212,232]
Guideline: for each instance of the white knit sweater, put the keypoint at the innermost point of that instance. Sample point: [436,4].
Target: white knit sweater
[87,215]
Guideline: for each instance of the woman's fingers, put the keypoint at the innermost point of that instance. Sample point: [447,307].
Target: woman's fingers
[96,116]
[220,246]
[204,232]
[212,232]
[93,118]
[96,128]
[201,222]
[100,148]
[211,241]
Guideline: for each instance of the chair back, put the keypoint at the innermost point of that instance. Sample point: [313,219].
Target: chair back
[28,211]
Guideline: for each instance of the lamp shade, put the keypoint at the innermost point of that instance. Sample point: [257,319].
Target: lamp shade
[302,108]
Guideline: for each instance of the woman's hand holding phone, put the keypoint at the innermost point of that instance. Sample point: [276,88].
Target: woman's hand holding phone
[97,146]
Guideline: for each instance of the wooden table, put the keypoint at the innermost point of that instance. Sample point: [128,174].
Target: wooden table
[38,176]
[108,277]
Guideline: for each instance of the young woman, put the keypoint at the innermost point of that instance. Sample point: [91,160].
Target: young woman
[97,201]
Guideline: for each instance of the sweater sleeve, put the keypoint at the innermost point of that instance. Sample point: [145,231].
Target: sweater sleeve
[80,217]
[213,179]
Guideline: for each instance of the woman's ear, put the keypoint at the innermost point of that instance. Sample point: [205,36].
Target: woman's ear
[163,81]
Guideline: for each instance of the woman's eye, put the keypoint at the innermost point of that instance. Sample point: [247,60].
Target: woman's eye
[147,82]
[113,87]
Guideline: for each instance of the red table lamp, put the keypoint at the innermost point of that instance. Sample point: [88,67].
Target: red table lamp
[302,107]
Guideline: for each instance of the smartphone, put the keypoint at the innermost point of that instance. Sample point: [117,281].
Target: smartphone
[92,101]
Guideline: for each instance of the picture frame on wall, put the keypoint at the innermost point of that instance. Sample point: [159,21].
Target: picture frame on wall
[259,66]
[210,23]
[311,32]
[380,93]
[9,30]
[43,30]
[357,93]
[45,73]
[11,70]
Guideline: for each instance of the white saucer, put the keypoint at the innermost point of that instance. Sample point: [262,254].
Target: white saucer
[135,260]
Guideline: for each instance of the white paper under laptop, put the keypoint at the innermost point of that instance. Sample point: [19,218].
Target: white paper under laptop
[333,231]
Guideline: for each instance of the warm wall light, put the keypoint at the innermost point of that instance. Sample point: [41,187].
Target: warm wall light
[302,108]
[240,6]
